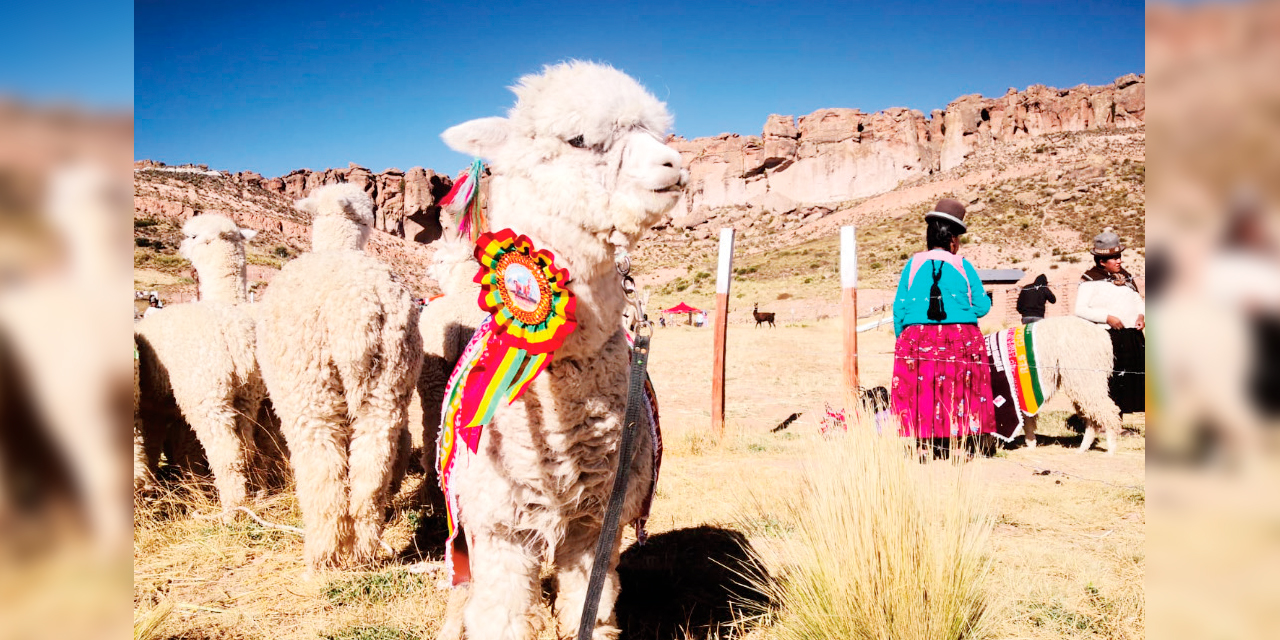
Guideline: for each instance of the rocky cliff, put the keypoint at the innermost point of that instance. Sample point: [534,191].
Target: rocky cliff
[166,197]
[836,155]
[404,201]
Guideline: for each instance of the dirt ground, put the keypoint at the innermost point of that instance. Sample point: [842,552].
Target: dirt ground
[1068,544]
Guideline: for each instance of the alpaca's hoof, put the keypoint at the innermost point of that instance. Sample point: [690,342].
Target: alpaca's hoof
[1031,444]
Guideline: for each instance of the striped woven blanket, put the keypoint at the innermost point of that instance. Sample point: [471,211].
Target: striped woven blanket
[1015,378]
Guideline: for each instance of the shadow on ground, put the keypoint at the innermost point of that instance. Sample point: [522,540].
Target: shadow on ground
[687,583]
[427,505]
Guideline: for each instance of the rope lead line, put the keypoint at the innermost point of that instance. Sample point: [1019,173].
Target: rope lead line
[626,451]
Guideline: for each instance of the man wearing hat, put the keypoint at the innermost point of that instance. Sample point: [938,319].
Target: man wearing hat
[1108,295]
[941,382]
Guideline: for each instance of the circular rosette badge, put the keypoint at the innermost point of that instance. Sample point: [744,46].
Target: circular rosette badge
[525,291]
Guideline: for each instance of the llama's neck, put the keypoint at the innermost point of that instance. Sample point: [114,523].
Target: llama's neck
[335,233]
[223,279]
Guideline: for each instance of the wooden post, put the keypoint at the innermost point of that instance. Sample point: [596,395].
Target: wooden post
[723,274]
[849,311]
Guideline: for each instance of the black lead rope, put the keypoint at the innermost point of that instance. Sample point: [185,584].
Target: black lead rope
[626,451]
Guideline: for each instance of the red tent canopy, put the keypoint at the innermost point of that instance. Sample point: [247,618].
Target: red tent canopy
[681,308]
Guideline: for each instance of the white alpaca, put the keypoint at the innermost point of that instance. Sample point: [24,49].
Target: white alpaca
[1074,356]
[446,325]
[580,168]
[201,356]
[340,351]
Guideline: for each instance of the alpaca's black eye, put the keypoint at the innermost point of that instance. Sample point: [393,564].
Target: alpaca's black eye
[578,142]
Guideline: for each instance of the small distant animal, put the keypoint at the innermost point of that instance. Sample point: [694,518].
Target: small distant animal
[762,317]
[785,423]
[876,398]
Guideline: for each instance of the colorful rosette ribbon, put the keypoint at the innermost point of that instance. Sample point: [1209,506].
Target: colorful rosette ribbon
[531,312]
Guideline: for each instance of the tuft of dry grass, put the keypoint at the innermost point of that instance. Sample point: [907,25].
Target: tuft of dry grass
[147,626]
[882,548]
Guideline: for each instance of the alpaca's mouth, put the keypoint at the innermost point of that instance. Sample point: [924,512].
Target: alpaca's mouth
[675,188]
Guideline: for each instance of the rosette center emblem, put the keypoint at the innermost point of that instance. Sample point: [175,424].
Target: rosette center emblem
[525,291]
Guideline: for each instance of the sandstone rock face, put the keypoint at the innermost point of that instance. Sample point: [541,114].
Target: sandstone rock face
[405,202]
[833,155]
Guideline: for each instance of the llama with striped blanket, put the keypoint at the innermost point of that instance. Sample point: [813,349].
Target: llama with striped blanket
[1033,362]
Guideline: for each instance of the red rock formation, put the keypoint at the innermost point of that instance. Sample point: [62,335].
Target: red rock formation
[832,155]
[404,202]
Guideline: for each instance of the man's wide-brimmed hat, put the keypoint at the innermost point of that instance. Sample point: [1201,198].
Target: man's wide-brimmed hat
[1107,243]
[948,209]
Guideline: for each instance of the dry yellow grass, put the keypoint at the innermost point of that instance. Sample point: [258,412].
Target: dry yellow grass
[884,547]
[1067,557]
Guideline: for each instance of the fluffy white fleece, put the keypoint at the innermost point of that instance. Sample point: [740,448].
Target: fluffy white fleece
[200,355]
[340,351]
[578,166]
[1075,358]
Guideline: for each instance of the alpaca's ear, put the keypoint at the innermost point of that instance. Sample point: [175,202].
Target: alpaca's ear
[248,234]
[480,137]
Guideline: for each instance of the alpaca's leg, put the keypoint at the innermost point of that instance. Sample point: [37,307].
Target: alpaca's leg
[182,447]
[574,557]
[403,452]
[147,442]
[142,476]
[246,408]
[1090,433]
[504,589]
[318,451]
[214,421]
[1029,430]
[374,434]
[431,387]
[1108,418]
[451,628]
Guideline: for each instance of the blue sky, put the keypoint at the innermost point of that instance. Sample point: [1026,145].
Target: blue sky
[71,52]
[271,87]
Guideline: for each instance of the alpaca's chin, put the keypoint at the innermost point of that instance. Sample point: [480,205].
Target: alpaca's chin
[660,202]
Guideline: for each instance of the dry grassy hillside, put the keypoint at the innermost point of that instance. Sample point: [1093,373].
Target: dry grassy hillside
[1034,204]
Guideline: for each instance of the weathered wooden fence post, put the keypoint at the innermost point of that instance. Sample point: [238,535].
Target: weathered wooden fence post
[723,274]
[849,311]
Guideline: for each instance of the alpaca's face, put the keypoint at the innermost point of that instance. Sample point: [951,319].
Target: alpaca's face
[623,182]
[582,144]
[208,238]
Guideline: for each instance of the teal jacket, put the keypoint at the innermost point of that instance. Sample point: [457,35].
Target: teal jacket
[963,298]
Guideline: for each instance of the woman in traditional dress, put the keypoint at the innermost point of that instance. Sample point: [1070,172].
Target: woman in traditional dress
[1108,295]
[941,381]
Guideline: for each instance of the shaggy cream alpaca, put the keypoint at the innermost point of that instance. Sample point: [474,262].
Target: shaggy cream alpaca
[340,351]
[1074,356]
[579,167]
[446,326]
[200,355]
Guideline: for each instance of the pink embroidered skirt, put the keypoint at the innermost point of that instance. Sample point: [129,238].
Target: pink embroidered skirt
[941,381]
